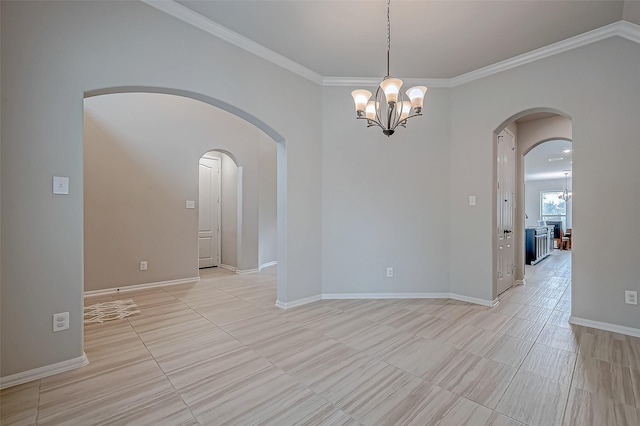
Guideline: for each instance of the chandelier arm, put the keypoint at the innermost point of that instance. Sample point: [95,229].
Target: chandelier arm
[371,123]
[396,112]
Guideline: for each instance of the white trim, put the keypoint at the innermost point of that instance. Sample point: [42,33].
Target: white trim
[299,302]
[375,81]
[475,300]
[266,265]
[621,28]
[246,271]
[42,372]
[197,20]
[140,286]
[373,296]
[629,331]
[386,296]
[629,30]
[241,271]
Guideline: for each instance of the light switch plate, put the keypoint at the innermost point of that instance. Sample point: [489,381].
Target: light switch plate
[190,204]
[61,185]
[472,200]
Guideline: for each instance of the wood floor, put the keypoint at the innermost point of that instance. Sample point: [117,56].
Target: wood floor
[218,352]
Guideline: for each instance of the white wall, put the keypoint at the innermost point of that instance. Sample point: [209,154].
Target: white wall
[532,190]
[385,200]
[87,46]
[605,150]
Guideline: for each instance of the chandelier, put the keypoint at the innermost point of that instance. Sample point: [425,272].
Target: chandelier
[565,194]
[389,108]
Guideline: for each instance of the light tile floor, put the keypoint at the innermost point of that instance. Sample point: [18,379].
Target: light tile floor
[219,352]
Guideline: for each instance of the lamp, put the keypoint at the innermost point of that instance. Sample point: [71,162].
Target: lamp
[565,194]
[389,108]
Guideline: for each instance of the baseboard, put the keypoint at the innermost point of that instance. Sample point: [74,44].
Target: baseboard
[247,271]
[518,282]
[266,265]
[344,296]
[229,267]
[140,286]
[42,372]
[621,329]
[299,302]
[385,296]
[475,300]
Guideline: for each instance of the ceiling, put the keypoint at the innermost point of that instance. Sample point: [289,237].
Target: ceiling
[429,39]
[538,167]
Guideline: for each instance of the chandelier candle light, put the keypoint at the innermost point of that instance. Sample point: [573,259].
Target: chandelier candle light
[389,109]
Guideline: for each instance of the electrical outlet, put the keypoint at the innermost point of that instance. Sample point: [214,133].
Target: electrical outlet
[60,321]
[389,272]
[143,265]
[631,297]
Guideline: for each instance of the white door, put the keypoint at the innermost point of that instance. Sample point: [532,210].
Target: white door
[506,174]
[209,213]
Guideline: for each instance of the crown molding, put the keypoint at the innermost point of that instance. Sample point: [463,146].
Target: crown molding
[629,30]
[187,15]
[375,81]
[622,29]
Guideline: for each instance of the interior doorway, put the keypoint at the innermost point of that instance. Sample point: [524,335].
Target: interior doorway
[548,182]
[209,212]
[530,128]
[505,207]
[220,210]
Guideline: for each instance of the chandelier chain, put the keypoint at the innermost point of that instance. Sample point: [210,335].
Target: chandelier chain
[388,34]
[389,107]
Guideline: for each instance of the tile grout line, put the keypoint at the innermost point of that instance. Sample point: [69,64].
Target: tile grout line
[156,361]
[220,327]
[518,369]
[39,398]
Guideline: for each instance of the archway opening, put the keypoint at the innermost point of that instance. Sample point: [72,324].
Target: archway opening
[143,183]
[530,128]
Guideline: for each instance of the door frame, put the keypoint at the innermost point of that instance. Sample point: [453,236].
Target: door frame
[514,237]
[219,206]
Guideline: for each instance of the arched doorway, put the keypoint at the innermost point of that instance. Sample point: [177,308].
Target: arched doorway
[181,197]
[530,128]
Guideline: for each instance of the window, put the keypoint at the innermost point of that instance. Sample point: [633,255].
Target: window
[553,208]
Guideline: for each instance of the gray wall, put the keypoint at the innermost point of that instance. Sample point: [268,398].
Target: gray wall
[597,86]
[229,211]
[385,200]
[267,219]
[87,46]
[350,201]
